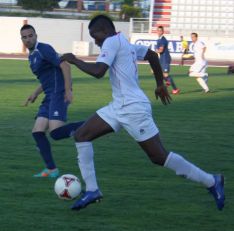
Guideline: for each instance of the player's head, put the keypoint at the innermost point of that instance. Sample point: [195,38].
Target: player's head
[194,37]
[160,31]
[181,37]
[28,36]
[100,28]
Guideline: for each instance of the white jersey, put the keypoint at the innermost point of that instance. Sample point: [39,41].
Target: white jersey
[198,47]
[121,57]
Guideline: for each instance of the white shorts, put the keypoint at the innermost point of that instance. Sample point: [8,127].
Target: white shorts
[135,118]
[198,69]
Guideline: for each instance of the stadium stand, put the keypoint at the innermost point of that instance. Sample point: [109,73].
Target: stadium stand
[161,14]
[207,17]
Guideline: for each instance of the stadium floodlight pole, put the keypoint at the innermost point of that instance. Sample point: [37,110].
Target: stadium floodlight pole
[151,15]
[131,27]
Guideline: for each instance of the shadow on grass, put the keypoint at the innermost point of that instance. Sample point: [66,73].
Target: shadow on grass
[18,81]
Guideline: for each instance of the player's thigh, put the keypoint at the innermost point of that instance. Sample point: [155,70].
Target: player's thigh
[43,110]
[193,67]
[155,150]
[198,66]
[93,128]
[53,124]
[203,67]
[109,115]
[58,108]
[137,120]
[41,124]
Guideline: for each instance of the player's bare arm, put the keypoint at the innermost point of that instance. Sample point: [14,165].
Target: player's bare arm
[97,70]
[65,67]
[34,95]
[161,90]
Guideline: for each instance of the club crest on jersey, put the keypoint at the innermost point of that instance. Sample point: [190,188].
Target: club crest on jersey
[104,54]
[56,113]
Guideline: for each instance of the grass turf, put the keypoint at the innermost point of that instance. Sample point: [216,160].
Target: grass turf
[138,196]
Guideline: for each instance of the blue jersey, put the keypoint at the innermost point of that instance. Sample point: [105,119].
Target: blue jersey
[45,64]
[165,57]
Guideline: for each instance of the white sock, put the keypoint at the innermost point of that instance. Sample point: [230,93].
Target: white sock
[86,164]
[203,84]
[184,168]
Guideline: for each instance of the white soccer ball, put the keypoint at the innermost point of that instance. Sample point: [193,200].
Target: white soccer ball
[67,187]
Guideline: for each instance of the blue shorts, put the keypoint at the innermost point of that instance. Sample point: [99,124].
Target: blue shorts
[165,67]
[53,107]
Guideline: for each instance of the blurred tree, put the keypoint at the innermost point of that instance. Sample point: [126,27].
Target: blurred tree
[128,12]
[96,13]
[128,2]
[40,5]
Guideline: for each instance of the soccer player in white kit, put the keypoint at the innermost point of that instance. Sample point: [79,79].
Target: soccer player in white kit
[130,109]
[198,69]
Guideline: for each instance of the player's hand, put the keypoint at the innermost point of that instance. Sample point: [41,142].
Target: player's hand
[68,96]
[162,93]
[69,57]
[30,99]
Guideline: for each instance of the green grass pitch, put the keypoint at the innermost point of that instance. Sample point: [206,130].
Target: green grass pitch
[138,196]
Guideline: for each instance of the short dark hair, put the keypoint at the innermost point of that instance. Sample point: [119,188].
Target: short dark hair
[26,27]
[161,27]
[195,34]
[101,21]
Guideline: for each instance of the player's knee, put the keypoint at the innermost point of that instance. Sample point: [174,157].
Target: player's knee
[80,136]
[191,74]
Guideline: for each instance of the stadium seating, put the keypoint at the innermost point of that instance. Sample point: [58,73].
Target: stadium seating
[209,17]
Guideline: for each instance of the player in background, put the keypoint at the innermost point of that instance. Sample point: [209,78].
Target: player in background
[165,59]
[55,82]
[185,49]
[130,109]
[230,69]
[198,69]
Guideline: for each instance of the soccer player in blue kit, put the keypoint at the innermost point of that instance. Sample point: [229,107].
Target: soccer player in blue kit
[55,82]
[130,109]
[165,59]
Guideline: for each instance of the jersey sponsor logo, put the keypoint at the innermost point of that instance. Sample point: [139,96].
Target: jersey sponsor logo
[174,46]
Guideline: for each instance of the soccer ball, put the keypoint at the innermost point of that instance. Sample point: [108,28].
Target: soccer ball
[67,187]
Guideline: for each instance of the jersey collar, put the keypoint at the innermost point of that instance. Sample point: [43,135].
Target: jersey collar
[35,47]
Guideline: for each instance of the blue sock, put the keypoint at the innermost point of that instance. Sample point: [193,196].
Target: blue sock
[44,146]
[167,79]
[172,82]
[65,131]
